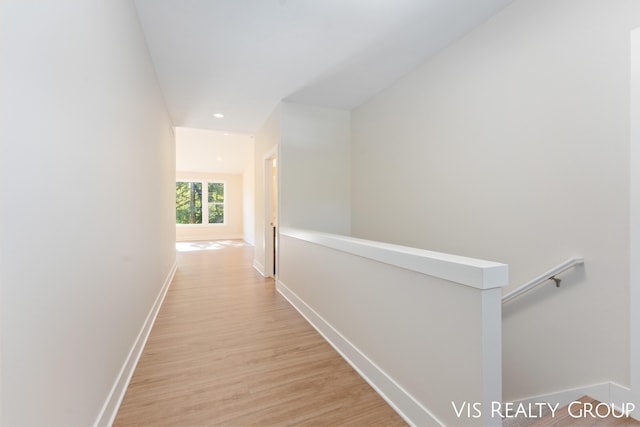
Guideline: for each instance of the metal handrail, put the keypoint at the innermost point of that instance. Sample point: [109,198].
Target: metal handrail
[549,275]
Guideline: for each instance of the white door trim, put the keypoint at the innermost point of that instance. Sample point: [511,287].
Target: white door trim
[269,242]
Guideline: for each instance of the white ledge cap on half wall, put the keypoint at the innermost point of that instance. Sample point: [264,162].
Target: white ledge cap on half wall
[476,273]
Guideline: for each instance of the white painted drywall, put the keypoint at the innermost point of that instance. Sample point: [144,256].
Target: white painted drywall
[201,150]
[513,145]
[266,140]
[424,333]
[634,300]
[87,213]
[248,200]
[233,227]
[315,168]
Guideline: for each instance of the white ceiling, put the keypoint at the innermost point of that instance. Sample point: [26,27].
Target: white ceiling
[241,57]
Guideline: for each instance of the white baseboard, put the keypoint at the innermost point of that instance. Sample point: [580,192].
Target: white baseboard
[404,404]
[114,399]
[259,267]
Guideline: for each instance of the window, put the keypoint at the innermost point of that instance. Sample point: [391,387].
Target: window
[188,203]
[199,202]
[216,202]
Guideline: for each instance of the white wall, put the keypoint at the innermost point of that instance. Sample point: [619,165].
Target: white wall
[422,338]
[87,213]
[266,140]
[313,148]
[210,151]
[228,156]
[315,188]
[513,145]
[634,300]
[248,201]
[233,227]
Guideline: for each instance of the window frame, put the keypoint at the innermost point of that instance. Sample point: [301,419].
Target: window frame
[223,203]
[205,202]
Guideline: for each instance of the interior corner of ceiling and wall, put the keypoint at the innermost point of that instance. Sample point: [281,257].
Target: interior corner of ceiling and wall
[225,56]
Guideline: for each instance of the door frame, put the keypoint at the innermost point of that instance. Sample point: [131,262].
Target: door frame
[271,243]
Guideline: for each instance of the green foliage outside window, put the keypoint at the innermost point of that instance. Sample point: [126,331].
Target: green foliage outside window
[189,209]
[216,202]
[188,203]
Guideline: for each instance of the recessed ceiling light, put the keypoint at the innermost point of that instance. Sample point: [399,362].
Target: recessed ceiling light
[218,115]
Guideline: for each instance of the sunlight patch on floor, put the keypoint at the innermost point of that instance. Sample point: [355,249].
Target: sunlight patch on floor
[208,246]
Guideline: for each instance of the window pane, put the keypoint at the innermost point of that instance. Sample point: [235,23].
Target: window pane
[216,213]
[216,192]
[188,203]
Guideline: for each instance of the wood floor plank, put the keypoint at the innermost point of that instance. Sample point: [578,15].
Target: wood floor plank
[228,350]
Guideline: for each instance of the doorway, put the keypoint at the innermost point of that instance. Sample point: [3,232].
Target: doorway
[271,213]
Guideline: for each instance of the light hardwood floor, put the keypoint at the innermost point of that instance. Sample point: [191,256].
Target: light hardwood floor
[228,350]
[578,417]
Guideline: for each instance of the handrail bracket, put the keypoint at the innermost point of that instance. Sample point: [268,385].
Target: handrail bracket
[549,275]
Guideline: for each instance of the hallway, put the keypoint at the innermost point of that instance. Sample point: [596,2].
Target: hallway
[227,350]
